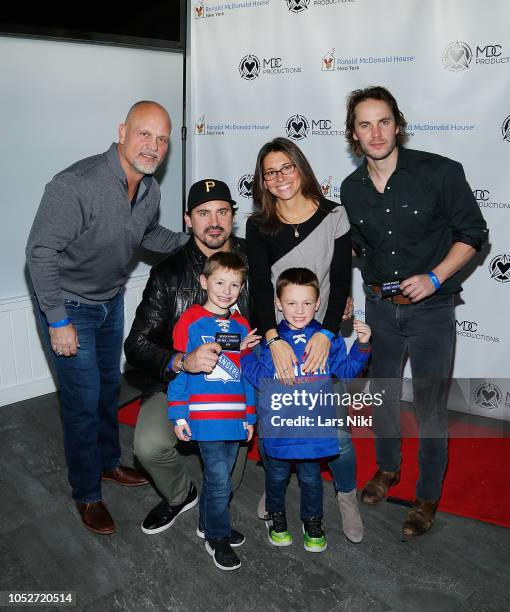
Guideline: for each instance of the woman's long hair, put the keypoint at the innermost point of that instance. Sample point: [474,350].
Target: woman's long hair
[267,217]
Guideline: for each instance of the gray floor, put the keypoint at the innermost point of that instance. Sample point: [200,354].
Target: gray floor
[461,565]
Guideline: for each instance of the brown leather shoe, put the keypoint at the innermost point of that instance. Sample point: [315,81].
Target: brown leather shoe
[420,518]
[377,487]
[95,516]
[127,476]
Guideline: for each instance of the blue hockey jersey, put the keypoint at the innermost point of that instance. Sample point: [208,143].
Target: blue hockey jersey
[219,405]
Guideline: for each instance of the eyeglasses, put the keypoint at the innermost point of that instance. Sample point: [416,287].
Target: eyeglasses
[285,170]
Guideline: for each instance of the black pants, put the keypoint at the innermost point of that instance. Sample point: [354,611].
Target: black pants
[426,332]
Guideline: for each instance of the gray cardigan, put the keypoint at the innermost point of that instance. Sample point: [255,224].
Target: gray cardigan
[85,233]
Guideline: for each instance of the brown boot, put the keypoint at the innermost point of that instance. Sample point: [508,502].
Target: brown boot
[377,487]
[127,476]
[420,518]
[95,516]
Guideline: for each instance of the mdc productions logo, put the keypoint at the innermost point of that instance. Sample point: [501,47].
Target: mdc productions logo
[298,126]
[488,396]
[245,186]
[499,268]
[458,55]
[297,6]
[470,329]
[484,200]
[505,129]
[249,67]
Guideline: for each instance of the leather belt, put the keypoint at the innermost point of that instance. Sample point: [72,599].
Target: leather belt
[395,299]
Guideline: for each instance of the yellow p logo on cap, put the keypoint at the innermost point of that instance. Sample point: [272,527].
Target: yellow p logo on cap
[209,185]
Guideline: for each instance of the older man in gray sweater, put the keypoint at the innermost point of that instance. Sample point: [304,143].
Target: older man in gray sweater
[92,218]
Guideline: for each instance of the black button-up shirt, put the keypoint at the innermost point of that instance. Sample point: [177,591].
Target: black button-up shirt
[427,205]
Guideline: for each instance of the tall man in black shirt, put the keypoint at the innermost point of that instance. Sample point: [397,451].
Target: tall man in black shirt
[414,224]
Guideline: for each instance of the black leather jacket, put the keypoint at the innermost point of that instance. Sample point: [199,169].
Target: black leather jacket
[173,286]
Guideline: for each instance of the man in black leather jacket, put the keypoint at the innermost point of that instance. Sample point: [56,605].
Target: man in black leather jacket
[173,286]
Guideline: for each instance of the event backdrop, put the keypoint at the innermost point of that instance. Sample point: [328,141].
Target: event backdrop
[266,68]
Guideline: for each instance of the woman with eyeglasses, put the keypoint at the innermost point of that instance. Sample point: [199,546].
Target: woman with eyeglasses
[296,226]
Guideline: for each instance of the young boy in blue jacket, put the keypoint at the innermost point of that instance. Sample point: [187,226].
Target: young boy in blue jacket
[215,409]
[297,297]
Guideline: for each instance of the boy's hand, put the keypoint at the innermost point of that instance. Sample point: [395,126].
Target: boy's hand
[317,352]
[183,432]
[250,340]
[362,330]
[249,431]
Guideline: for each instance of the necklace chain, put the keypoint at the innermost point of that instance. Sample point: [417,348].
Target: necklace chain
[294,225]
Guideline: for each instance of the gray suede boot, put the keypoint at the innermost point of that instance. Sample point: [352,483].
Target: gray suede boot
[261,508]
[352,525]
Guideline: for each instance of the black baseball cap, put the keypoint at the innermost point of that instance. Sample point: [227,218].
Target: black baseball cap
[207,190]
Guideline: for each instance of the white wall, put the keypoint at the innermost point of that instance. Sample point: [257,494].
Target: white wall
[61,102]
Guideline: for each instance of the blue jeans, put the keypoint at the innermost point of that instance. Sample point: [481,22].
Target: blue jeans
[343,466]
[89,389]
[310,483]
[218,458]
[426,332]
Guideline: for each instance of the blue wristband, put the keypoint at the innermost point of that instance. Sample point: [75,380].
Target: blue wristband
[434,279]
[329,335]
[60,323]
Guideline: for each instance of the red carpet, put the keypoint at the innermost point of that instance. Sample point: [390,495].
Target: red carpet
[477,483]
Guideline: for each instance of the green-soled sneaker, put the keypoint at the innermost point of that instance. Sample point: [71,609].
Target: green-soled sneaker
[314,536]
[277,532]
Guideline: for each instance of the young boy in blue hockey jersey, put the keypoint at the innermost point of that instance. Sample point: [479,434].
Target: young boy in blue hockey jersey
[215,409]
[297,297]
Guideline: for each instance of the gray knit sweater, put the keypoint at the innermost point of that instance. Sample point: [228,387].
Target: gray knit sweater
[86,232]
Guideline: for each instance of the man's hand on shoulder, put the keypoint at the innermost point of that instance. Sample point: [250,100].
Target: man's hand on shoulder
[417,287]
[64,340]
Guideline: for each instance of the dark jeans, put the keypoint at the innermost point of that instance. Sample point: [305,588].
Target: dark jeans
[426,331]
[218,458]
[89,389]
[310,483]
[343,466]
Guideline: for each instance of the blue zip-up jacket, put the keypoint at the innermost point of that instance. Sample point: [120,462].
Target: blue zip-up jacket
[340,364]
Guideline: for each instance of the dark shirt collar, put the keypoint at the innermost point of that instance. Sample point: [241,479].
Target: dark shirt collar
[112,155]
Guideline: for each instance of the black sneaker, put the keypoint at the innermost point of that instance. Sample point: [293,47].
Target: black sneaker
[277,531]
[223,556]
[164,514]
[236,537]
